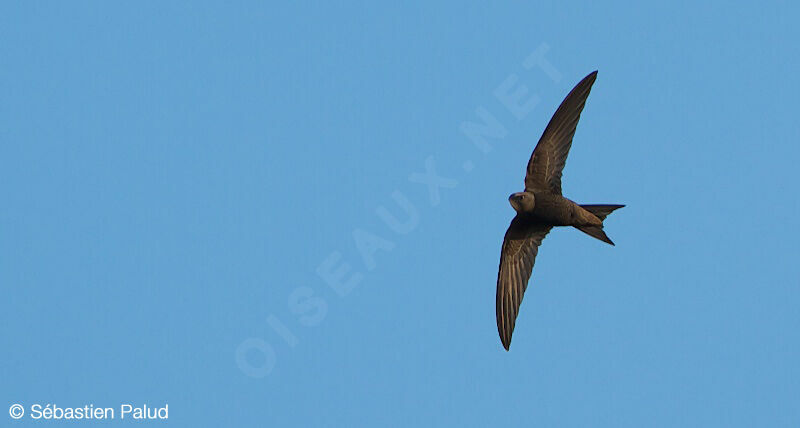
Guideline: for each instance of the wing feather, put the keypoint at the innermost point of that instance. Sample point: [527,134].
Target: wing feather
[550,155]
[520,247]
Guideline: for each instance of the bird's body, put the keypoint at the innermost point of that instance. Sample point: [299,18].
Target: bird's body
[541,206]
[554,210]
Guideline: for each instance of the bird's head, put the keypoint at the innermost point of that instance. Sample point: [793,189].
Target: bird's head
[522,201]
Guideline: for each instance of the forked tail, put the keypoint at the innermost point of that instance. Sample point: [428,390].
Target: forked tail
[601,212]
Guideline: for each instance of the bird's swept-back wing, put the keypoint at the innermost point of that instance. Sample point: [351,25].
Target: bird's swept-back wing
[520,246]
[550,155]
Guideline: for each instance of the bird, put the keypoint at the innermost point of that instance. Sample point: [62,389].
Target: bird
[541,206]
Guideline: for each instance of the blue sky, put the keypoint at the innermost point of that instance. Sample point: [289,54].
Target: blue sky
[182,183]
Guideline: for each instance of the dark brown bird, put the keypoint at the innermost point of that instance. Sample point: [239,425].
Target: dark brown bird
[541,207]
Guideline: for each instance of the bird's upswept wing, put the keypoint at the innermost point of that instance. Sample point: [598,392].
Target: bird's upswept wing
[520,246]
[550,155]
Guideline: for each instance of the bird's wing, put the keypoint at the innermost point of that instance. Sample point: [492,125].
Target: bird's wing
[520,246]
[550,155]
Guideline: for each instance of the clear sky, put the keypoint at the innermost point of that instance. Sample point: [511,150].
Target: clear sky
[224,207]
